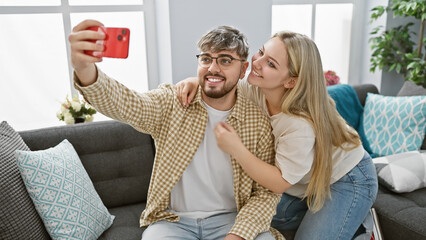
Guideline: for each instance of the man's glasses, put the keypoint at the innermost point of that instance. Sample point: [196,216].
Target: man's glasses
[224,62]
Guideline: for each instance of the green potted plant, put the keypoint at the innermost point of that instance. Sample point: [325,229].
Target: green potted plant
[393,49]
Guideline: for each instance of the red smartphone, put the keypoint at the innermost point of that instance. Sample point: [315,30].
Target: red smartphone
[116,42]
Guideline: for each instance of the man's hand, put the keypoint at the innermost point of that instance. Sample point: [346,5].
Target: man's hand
[80,40]
[233,237]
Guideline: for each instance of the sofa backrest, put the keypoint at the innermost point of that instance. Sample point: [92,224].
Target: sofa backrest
[362,90]
[117,158]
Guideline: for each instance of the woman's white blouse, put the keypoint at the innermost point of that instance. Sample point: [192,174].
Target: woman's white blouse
[294,146]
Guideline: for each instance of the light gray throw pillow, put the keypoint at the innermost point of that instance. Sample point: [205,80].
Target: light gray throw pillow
[403,172]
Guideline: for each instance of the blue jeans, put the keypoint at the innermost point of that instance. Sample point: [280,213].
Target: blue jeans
[351,199]
[212,228]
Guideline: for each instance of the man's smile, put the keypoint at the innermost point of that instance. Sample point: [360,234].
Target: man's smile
[214,79]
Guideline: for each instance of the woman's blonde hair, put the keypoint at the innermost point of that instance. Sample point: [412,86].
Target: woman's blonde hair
[309,99]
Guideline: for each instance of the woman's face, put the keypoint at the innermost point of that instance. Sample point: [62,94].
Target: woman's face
[269,69]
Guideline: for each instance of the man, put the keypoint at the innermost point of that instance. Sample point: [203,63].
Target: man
[190,195]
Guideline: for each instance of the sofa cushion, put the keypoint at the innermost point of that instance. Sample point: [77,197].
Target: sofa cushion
[117,158]
[18,216]
[411,89]
[402,172]
[394,124]
[401,216]
[63,193]
[126,223]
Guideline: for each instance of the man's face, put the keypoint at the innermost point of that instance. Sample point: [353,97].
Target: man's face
[217,81]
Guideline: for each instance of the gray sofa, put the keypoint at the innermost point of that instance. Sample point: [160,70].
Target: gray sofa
[401,216]
[119,161]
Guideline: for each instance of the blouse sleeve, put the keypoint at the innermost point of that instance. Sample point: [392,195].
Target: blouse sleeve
[295,149]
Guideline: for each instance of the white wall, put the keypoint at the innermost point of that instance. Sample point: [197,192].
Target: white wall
[190,19]
[181,23]
[366,76]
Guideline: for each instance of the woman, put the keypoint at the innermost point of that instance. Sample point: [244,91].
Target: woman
[328,181]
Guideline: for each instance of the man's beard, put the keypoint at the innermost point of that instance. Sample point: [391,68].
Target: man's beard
[213,92]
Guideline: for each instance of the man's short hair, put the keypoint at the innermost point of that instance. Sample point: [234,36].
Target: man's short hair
[225,38]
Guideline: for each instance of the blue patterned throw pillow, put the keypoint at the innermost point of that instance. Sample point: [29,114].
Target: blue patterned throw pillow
[63,193]
[394,124]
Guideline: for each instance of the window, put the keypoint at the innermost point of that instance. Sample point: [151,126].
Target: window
[35,69]
[329,23]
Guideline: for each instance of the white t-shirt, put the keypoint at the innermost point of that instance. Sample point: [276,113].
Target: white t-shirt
[206,186]
[294,146]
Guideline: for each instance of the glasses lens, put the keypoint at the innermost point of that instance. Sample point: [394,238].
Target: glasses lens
[224,61]
[204,61]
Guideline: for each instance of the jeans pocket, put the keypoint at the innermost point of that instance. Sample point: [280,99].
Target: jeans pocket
[364,175]
[367,168]
[373,185]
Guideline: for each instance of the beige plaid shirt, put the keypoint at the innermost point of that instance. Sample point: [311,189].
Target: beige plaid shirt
[178,132]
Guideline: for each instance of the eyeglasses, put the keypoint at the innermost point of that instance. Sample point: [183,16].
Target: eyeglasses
[224,62]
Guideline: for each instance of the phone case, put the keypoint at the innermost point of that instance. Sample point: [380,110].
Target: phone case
[116,43]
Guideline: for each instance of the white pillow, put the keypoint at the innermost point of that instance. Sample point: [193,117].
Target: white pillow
[63,193]
[402,172]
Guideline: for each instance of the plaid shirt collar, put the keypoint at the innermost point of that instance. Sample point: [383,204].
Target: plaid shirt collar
[239,108]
